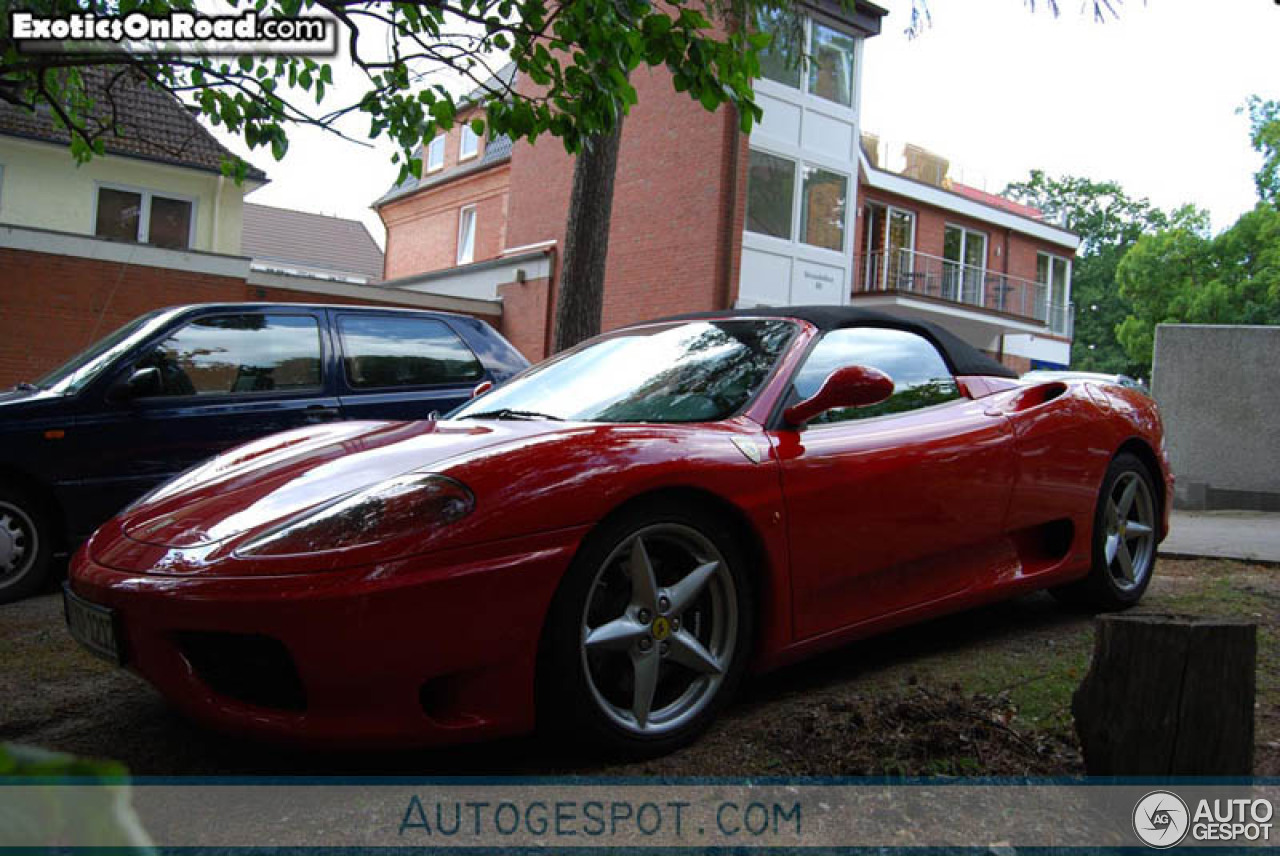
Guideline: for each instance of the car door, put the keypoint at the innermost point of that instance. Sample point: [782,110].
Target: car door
[225,377]
[895,504]
[402,366]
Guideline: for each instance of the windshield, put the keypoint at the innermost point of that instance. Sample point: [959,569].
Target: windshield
[699,371]
[73,375]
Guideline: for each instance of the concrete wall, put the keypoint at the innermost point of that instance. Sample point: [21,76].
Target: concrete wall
[1217,389]
[43,188]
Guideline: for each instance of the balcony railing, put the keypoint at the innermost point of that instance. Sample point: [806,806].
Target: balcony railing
[908,272]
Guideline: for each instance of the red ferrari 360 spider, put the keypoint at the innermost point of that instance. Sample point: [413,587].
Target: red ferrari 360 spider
[612,539]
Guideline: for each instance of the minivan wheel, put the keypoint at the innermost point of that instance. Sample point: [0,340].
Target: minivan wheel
[25,545]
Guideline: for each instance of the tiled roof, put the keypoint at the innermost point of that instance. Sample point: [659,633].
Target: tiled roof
[313,242]
[152,124]
[496,151]
[997,201]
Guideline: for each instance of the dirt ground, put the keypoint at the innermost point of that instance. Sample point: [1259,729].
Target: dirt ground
[987,692]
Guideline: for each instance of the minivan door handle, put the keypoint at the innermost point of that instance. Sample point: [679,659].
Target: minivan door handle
[322,412]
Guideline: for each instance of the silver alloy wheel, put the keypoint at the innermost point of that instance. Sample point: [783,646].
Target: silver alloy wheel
[665,601]
[1130,546]
[19,543]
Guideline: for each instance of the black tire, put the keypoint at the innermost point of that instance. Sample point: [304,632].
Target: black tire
[26,544]
[1108,588]
[582,689]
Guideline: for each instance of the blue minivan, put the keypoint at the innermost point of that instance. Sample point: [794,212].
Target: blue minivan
[179,385]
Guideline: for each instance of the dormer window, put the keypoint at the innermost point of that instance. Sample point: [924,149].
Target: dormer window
[435,154]
[469,147]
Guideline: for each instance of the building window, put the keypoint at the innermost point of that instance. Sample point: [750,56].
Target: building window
[771,201]
[822,208]
[965,265]
[826,69]
[771,185]
[830,64]
[144,217]
[469,147]
[1054,275]
[435,154]
[781,61]
[467,235]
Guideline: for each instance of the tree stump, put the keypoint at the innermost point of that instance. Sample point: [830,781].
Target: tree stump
[1168,696]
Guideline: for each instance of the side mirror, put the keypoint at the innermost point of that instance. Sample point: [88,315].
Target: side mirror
[141,383]
[481,388]
[851,386]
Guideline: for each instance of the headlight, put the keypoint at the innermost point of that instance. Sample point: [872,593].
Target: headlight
[394,508]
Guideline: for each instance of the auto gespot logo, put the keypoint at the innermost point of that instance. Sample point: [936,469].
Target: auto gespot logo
[1162,819]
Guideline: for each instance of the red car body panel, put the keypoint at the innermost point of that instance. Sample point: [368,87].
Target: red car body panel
[855,527]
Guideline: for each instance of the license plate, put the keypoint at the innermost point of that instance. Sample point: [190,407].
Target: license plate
[93,626]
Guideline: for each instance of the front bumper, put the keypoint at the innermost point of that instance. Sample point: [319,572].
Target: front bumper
[434,649]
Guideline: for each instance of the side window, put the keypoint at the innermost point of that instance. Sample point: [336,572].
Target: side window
[920,377]
[230,354]
[388,352]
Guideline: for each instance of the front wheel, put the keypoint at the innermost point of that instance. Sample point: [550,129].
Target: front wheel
[1125,525]
[650,632]
[26,550]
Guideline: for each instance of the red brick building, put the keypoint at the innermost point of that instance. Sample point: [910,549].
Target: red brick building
[804,210]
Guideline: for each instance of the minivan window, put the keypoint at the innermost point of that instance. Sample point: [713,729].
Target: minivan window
[233,354]
[389,352]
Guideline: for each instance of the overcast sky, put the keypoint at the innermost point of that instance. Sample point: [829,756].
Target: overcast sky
[1148,99]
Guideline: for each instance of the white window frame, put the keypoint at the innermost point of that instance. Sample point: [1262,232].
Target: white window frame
[889,211]
[470,255]
[144,216]
[1066,296]
[435,149]
[473,138]
[804,90]
[797,201]
[966,231]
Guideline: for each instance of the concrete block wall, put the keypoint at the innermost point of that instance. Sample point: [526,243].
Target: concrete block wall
[1218,387]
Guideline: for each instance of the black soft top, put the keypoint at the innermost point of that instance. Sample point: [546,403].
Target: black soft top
[962,358]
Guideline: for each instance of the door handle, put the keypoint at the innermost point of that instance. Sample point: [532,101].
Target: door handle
[322,411]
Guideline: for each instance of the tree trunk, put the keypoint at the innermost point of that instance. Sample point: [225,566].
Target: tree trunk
[586,241]
[1168,696]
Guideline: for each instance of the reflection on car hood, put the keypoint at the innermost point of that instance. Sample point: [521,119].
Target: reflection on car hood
[25,396]
[270,480]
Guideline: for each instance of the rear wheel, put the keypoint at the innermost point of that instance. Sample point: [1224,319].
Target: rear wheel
[1125,524]
[26,547]
[649,634]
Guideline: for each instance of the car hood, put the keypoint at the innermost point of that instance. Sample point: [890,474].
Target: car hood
[259,485]
[13,399]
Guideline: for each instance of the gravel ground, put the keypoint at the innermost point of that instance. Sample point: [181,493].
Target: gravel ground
[982,693]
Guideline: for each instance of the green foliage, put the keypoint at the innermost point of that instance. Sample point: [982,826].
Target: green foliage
[1264,134]
[99,814]
[1108,222]
[577,56]
[1184,275]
